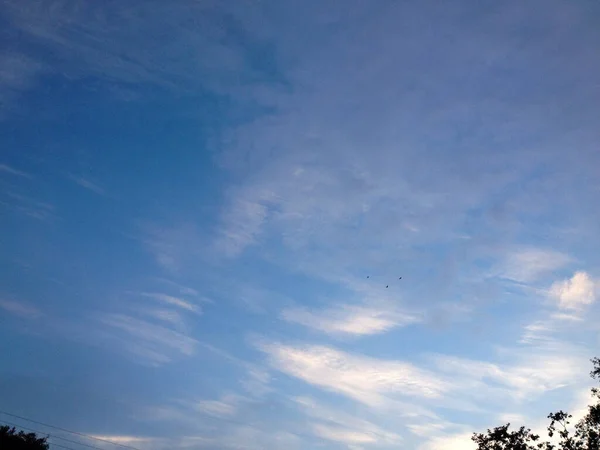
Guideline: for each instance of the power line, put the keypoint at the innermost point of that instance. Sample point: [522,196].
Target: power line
[218,419]
[49,443]
[61,446]
[53,436]
[69,431]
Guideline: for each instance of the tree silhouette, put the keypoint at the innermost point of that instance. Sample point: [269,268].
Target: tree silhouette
[10,439]
[584,435]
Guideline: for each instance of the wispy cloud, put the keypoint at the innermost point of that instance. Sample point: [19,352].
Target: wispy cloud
[31,207]
[172,247]
[349,319]
[368,162]
[343,434]
[21,309]
[168,316]
[456,441]
[527,265]
[183,290]
[122,439]
[112,53]
[87,184]
[174,301]
[227,406]
[366,380]
[342,427]
[152,343]
[531,373]
[12,171]
[242,225]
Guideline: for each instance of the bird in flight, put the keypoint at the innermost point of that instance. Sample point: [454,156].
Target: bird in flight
[387,285]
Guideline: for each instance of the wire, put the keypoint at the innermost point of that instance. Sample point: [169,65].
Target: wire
[61,446]
[69,431]
[49,443]
[53,436]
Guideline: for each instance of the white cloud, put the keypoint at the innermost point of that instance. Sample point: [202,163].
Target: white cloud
[174,301]
[20,309]
[582,400]
[122,439]
[530,373]
[344,435]
[256,381]
[366,380]
[356,158]
[527,265]
[169,316]
[513,419]
[340,426]
[152,343]
[575,293]
[349,319]
[430,429]
[552,330]
[242,224]
[227,406]
[539,331]
[457,441]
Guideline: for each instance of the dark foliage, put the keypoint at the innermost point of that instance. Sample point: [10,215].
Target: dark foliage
[11,439]
[584,435]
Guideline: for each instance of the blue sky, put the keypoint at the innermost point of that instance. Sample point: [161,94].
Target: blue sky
[203,202]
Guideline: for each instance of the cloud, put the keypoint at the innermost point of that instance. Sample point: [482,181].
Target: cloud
[122,439]
[515,419]
[256,438]
[256,381]
[458,441]
[227,406]
[231,437]
[527,265]
[242,224]
[350,320]
[575,293]
[87,184]
[531,372]
[31,207]
[149,342]
[20,309]
[339,426]
[364,379]
[344,435]
[172,247]
[97,47]
[183,290]
[12,171]
[426,429]
[168,316]
[174,301]
[368,162]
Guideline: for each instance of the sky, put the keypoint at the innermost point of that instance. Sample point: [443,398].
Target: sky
[206,208]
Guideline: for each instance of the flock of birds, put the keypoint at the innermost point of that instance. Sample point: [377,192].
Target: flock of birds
[387,285]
